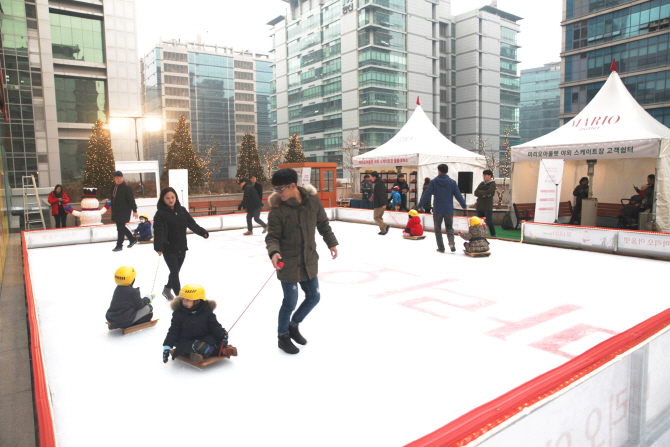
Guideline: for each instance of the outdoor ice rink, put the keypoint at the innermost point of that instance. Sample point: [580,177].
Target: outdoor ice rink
[403,341]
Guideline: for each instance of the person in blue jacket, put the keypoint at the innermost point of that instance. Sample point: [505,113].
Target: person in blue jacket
[443,189]
[396,198]
[143,230]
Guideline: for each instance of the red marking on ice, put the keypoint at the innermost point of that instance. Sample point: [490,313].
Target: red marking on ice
[372,276]
[512,327]
[383,269]
[414,288]
[414,304]
[478,304]
[554,343]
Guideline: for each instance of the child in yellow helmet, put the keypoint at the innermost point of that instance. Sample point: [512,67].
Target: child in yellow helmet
[128,308]
[414,227]
[195,332]
[476,237]
[143,230]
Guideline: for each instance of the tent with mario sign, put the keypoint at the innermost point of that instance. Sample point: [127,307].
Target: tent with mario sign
[420,146]
[626,142]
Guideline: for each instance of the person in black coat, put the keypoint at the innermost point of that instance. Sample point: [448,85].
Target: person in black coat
[257,186]
[379,199]
[404,188]
[253,204]
[580,192]
[123,203]
[128,308]
[194,331]
[170,224]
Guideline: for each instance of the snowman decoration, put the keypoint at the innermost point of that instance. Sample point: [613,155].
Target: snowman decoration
[90,214]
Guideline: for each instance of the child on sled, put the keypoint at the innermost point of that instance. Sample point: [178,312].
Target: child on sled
[414,227]
[476,237]
[143,230]
[195,332]
[128,308]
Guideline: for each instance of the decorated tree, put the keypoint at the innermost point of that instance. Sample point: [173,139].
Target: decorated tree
[181,154]
[272,155]
[100,164]
[210,160]
[249,161]
[294,154]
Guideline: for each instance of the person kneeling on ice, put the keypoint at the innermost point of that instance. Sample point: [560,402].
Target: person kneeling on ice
[194,331]
[143,230]
[476,237]
[128,308]
[414,227]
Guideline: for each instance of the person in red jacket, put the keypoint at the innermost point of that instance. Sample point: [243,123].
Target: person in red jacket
[58,199]
[414,227]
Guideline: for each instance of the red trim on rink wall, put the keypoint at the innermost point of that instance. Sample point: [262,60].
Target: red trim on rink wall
[467,428]
[45,422]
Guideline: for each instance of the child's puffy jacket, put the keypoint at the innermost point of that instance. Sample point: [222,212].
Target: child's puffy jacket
[189,325]
[143,229]
[414,226]
[395,198]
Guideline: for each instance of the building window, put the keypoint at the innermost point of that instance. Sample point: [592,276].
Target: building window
[443,46]
[249,76]
[72,160]
[176,57]
[508,35]
[244,107]
[245,118]
[176,103]
[444,30]
[243,128]
[77,38]
[380,97]
[175,68]
[176,80]
[382,58]
[244,97]
[244,65]
[244,86]
[80,100]
[176,91]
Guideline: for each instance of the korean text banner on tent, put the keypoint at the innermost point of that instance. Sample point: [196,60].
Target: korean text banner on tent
[397,160]
[548,190]
[623,149]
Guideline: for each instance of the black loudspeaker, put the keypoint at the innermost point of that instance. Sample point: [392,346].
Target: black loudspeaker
[465,182]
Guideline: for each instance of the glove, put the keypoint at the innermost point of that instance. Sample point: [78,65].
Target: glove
[224,339]
[166,353]
[206,235]
[239,208]
[153,296]
[151,308]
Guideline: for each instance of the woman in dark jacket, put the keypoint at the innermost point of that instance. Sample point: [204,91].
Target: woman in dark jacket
[170,224]
[58,199]
[580,192]
[427,207]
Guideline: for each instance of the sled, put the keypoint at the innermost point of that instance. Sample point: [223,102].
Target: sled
[208,361]
[147,242]
[477,255]
[131,329]
[415,238]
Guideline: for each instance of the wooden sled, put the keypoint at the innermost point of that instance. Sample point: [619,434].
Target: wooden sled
[205,362]
[415,238]
[147,242]
[477,255]
[139,327]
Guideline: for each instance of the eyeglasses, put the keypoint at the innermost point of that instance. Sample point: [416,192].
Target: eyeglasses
[279,190]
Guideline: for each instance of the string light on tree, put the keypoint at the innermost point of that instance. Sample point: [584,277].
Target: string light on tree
[294,154]
[272,156]
[181,154]
[249,161]
[100,164]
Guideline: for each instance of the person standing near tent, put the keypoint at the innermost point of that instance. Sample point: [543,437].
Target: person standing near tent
[580,192]
[444,189]
[484,193]
[366,191]
[427,207]
[403,187]
[379,200]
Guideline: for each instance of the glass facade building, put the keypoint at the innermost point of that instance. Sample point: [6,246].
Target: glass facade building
[222,93]
[636,34]
[540,101]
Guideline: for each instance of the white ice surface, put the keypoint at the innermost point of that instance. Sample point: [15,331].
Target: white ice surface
[398,345]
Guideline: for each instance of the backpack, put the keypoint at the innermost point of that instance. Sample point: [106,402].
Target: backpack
[507,222]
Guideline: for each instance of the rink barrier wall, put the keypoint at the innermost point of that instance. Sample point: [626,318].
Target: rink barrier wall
[43,406]
[474,427]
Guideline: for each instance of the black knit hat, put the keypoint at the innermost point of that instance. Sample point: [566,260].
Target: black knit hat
[118,174]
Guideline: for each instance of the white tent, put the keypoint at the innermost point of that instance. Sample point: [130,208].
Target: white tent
[419,145]
[613,129]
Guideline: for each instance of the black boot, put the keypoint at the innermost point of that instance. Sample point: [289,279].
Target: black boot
[295,335]
[286,345]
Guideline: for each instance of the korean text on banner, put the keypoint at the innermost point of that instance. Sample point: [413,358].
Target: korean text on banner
[306,173]
[549,182]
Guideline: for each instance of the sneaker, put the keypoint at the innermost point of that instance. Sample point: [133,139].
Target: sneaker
[286,345]
[295,335]
[452,247]
[167,293]
[195,357]
[248,233]
[117,248]
[265,230]
[440,250]
[133,242]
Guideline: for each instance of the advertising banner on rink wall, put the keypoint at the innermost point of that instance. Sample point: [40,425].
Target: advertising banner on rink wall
[548,190]
[643,243]
[583,237]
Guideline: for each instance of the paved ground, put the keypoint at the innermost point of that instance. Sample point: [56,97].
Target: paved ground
[17,420]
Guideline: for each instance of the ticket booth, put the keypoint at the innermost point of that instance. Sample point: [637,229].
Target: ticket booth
[320,175]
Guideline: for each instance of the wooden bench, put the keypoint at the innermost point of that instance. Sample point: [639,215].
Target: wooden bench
[225,206]
[526,211]
[203,207]
[612,210]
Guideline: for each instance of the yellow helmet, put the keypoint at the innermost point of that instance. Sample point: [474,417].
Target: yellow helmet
[192,292]
[145,216]
[124,276]
[475,221]
[413,213]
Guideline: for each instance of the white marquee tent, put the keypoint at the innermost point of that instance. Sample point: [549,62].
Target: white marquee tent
[421,147]
[613,129]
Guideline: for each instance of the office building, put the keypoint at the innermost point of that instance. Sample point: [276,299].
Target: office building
[636,34]
[223,93]
[540,101]
[357,67]
[66,64]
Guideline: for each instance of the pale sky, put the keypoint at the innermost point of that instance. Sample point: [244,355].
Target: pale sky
[242,24]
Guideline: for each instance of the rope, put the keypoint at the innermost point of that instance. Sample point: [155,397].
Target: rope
[156,275]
